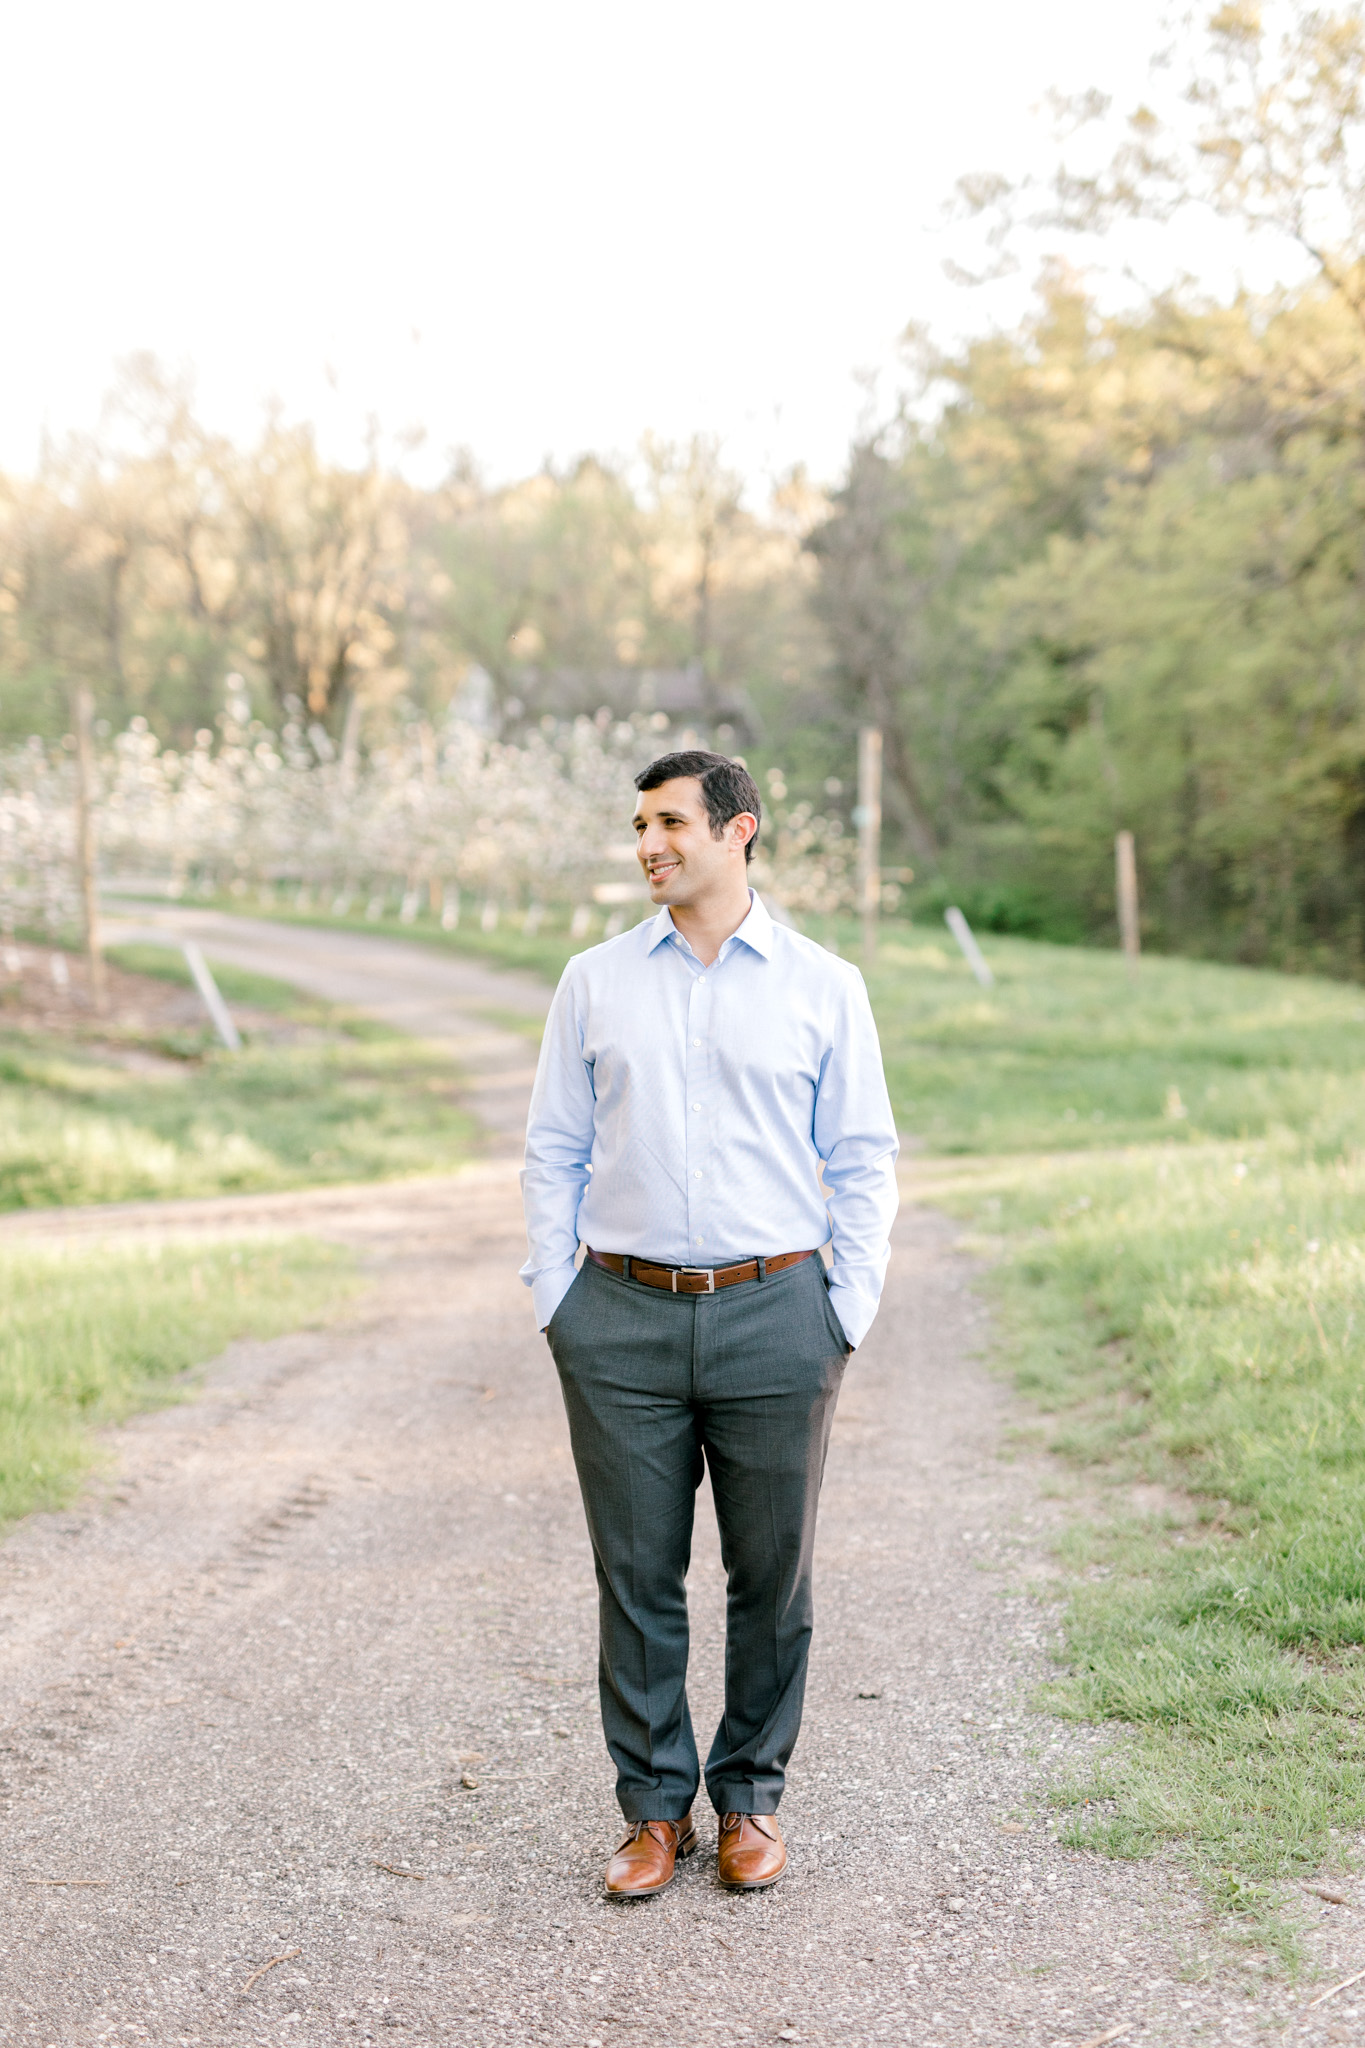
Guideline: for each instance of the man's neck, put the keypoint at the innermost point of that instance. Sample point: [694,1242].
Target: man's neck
[707,925]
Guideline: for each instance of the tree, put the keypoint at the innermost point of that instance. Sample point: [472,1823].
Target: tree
[872,598]
[1114,581]
[322,561]
[1266,128]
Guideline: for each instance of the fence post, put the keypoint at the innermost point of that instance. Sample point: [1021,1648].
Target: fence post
[82,709]
[1125,868]
[869,822]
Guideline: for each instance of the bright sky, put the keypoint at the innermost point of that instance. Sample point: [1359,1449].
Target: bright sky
[531,228]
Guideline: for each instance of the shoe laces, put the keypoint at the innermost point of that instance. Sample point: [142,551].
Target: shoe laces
[732,1821]
[637,1828]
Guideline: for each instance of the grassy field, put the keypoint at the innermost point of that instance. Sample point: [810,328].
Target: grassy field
[1173,1199]
[1194,1317]
[87,1337]
[120,1114]
[1062,1052]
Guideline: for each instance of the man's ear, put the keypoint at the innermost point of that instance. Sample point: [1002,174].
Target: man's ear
[744,825]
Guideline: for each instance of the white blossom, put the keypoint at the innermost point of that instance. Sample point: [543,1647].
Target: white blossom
[430,814]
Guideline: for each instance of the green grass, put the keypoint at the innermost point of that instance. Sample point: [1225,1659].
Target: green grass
[1063,1051]
[1186,1305]
[237,984]
[335,1099]
[1194,1317]
[87,1337]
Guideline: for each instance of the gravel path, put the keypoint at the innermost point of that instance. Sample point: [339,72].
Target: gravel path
[305,1685]
[333,1621]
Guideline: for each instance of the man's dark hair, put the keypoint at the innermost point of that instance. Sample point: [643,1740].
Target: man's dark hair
[726,787]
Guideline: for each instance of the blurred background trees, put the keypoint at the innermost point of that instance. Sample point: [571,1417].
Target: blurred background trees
[1105,572]
[1102,572]
[1114,581]
[154,558]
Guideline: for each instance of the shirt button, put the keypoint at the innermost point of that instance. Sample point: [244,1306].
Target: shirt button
[696,1173]
[696,1105]
[696,1041]
[697,1240]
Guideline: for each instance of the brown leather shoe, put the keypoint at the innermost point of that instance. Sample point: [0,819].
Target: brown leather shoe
[645,1860]
[752,1851]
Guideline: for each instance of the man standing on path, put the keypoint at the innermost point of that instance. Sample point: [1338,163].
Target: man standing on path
[696,1075]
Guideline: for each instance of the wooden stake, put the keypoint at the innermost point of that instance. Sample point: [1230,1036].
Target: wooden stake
[1125,866]
[966,939]
[211,996]
[82,711]
[868,818]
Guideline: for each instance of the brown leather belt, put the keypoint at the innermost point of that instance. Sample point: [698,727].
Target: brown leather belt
[694,1279]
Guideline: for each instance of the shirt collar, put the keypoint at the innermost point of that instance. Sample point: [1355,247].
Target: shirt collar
[756,930]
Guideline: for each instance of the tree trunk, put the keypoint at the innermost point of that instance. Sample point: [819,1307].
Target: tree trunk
[82,710]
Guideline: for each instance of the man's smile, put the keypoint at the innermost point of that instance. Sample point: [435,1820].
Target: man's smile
[660,870]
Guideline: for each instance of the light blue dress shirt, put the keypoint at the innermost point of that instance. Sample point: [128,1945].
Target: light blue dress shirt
[683,1113]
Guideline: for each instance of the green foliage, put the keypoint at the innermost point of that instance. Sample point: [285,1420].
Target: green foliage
[1113,583]
[1022,909]
[89,1336]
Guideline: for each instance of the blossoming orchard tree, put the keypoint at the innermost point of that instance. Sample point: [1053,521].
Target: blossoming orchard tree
[434,824]
[39,886]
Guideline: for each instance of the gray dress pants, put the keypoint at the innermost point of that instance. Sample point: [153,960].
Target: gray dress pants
[746,1379]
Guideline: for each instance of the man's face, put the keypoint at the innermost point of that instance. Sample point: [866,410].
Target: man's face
[681,858]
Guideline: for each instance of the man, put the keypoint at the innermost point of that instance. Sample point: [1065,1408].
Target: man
[696,1075]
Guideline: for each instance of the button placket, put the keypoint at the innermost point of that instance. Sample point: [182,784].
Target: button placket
[696,1118]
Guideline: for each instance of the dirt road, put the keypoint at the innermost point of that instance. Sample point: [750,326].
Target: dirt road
[429,993]
[301,1740]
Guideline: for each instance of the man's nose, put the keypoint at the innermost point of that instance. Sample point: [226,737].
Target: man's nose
[652,841]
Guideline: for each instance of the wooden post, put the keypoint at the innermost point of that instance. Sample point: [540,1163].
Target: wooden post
[868,818]
[1125,867]
[82,711]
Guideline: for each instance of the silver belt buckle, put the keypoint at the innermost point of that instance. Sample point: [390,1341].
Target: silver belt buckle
[709,1271]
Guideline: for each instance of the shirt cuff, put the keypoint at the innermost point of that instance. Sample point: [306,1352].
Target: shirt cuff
[549,1289]
[855,1312]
